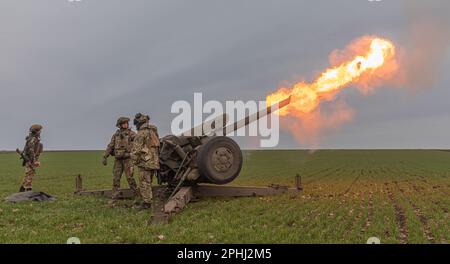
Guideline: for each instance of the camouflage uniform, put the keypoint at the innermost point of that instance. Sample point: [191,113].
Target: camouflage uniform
[120,147]
[30,156]
[145,155]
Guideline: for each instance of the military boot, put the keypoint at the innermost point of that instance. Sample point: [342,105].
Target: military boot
[137,203]
[113,203]
[22,189]
[28,189]
[145,206]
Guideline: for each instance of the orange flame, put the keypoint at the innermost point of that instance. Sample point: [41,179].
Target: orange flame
[372,56]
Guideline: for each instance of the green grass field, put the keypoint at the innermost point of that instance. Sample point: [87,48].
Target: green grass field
[349,196]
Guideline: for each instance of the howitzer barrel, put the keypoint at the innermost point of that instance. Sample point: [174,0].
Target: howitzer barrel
[208,127]
[219,124]
[254,117]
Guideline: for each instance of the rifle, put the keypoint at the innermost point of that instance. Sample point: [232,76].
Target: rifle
[22,157]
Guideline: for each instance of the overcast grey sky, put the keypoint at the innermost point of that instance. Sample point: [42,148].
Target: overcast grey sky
[77,66]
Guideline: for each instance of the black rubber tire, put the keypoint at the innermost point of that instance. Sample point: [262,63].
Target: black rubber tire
[210,173]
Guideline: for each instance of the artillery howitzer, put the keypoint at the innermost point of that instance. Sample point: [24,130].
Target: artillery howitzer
[200,156]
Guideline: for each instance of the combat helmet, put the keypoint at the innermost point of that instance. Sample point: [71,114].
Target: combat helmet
[35,128]
[121,121]
[140,119]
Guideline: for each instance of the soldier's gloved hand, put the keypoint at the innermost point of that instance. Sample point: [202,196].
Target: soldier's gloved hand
[37,164]
[105,161]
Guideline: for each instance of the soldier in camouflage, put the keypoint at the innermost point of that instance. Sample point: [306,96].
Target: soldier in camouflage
[30,156]
[120,147]
[145,155]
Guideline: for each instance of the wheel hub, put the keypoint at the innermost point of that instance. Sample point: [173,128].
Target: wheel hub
[222,159]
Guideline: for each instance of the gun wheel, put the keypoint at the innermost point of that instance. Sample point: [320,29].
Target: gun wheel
[219,160]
